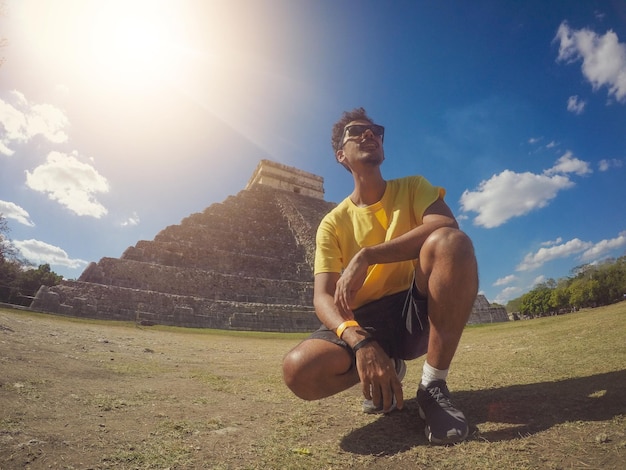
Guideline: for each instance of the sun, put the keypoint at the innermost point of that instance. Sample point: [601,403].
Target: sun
[135,42]
[132,44]
[108,42]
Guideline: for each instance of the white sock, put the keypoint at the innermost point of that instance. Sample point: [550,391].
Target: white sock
[430,374]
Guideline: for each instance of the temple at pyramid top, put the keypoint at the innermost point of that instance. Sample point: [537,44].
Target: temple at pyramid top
[287,178]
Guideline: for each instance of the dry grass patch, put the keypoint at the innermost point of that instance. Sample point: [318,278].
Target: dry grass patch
[547,393]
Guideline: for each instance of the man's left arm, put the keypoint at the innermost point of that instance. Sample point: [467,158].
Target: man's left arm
[403,248]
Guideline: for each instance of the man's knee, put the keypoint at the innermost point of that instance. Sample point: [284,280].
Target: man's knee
[310,370]
[448,242]
[292,365]
[449,251]
[298,373]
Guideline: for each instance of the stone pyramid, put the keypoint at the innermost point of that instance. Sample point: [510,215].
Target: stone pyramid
[244,264]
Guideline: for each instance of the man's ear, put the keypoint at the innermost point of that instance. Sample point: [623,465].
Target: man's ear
[340,156]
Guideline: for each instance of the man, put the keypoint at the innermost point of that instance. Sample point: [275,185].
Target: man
[386,242]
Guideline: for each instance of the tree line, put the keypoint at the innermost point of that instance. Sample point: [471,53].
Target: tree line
[19,280]
[591,285]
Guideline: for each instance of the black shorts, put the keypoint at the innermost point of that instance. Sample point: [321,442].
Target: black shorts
[385,320]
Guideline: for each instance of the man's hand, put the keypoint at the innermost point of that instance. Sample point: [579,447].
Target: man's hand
[378,377]
[351,281]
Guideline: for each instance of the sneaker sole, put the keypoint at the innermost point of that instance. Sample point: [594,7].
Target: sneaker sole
[434,440]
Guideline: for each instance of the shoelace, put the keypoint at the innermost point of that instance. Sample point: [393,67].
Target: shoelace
[439,395]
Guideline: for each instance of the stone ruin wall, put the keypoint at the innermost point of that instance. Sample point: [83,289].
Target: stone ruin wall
[243,264]
[483,312]
[92,300]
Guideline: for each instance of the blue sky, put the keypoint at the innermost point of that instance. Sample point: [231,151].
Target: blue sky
[120,118]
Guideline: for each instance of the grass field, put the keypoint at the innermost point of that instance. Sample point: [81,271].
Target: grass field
[79,394]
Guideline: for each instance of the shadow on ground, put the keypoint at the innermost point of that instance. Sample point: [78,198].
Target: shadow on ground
[520,409]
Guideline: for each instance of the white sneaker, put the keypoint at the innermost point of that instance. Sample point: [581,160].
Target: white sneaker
[368,405]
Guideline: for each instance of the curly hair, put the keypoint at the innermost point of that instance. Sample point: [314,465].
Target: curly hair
[357,114]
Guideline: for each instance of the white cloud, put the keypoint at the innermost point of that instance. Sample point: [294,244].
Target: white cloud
[537,140]
[543,255]
[509,194]
[569,164]
[46,120]
[505,280]
[552,242]
[70,182]
[131,221]
[590,251]
[507,294]
[39,252]
[539,279]
[605,165]
[603,57]
[575,105]
[604,247]
[12,211]
[22,121]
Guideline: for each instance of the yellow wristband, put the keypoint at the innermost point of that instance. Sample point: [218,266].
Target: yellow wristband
[346,324]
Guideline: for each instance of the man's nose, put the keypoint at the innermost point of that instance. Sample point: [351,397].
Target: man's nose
[368,133]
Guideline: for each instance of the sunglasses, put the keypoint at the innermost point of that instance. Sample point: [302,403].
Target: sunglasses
[357,130]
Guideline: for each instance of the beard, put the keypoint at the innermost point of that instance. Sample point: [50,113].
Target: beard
[373,158]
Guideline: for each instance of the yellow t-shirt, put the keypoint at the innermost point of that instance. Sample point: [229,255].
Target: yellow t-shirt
[348,228]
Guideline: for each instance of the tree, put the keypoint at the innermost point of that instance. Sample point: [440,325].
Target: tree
[7,250]
[29,282]
[559,297]
[590,285]
[9,265]
[613,284]
[9,272]
[18,281]
[577,293]
[537,301]
[514,305]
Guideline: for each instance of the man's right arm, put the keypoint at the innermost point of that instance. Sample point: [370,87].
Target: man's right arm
[324,301]
[378,377]
[328,312]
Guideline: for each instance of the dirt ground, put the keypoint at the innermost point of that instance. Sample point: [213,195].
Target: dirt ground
[79,394]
